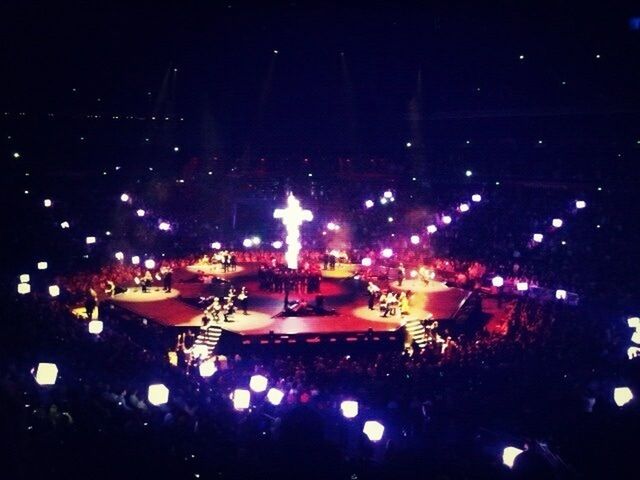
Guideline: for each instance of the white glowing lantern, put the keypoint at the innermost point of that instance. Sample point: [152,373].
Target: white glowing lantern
[497,281]
[476,197]
[140,212]
[90,240]
[374,430]
[255,241]
[464,207]
[207,368]
[24,288]
[580,204]
[275,396]
[349,408]
[46,374]
[537,237]
[135,260]
[277,244]
[150,263]
[54,290]
[633,352]
[64,225]
[633,322]
[446,219]
[247,243]
[622,396]
[561,294]
[124,197]
[383,201]
[368,203]
[415,239]
[522,286]
[216,245]
[432,229]
[468,173]
[366,262]
[42,265]
[390,219]
[96,327]
[47,202]
[258,383]
[164,226]
[635,338]
[158,394]
[387,253]
[241,398]
[119,256]
[509,455]
[387,194]
[25,278]
[557,222]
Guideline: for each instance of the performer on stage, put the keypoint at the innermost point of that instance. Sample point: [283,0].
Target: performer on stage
[167,280]
[401,274]
[243,297]
[373,291]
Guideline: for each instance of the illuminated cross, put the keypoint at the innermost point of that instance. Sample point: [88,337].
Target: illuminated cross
[292,218]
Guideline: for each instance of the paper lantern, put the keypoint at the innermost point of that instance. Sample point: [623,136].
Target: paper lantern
[135,260]
[119,256]
[368,203]
[46,373]
[48,203]
[557,222]
[54,290]
[349,408]
[149,263]
[522,286]
[96,327]
[275,396]
[258,383]
[241,399]
[509,455]
[537,237]
[374,430]
[366,262]
[42,265]
[432,229]
[25,278]
[216,245]
[580,204]
[24,288]
[464,207]
[561,294]
[158,394]
[90,240]
[476,197]
[446,219]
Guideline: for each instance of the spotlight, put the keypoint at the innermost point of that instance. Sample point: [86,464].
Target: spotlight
[464,207]
[561,294]
[275,396]
[366,262]
[633,322]
[622,396]
[432,229]
[124,197]
[557,222]
[54,290]
[580,204]
[64,225]
[46,374]
[42,265]
[150,264]
[387,253]
[446,219]
[24,288]
[90,240]
[241,398]
[25,278]
[476,197]
[207,368]
[135,260]
[258,383]
[368,203]
[158,394]
[497,281]
[96,327]
[216,245]
[522,286]
[119,256]
[349,408]
[415,239]
[48,203]
[140,212]
[373,430]
[537,237]
[509,455]
[277,244]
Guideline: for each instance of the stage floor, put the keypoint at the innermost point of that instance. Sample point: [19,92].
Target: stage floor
[347,297]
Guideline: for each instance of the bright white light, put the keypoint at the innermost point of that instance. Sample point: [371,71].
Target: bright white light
[622,396]
[432,229]
[275,396]
[90,240]
[46,374]
[176,149]
[164,226]
[331,226]
[497,281]
[216,245]
[64,225]
[150,263]
[292,217]
[96,327]
[476,197]
[247,243]
[633,322]
[633,352]
[241,398]
[366,262]
[413,273]
[368,203]
[537,237]
[277,244]
[47,203]
[158,394]
[415,239]
[509,455]
[54,290]
[408,144]
[207,368]
[135,260]
[119,256]
[522,286]
[387,194]
[383,201]
[446,219]
[140,212]
[635,338]
[373,429]
[561,294]
[390,219]
[16,155]
[349,408]
[24,288]
[258,383]
[468,173]
[521,57]
[255,240]
[25,278]
[124,197]
[557,222]
[42,265]
[580,204]
[387,253]
[464,207]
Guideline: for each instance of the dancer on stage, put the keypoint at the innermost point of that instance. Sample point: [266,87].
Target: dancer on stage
[243,297]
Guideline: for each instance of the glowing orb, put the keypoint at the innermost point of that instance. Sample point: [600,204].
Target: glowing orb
[241,398]
[158,394]
[580,204]
[476,197]
[275,396]
[277,244]
[207,368]
[90,240]
[124,197]
[46,374]
[387,253]
[537,237]
[135,260]
[561,294]
[368,203]
[446,219]
[54,290]
[216,245]
[415,239]
[25,278]
[374,430]
[557,222]
[509,455]
[42,265]
[150,263]
[258,383]
[622,396]
[96,327]
[366,262]
[463,207]
[24,288]
[522,286]
[349,408]
[497,281]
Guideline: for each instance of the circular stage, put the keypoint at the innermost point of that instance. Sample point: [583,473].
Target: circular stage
[342,270]
[418,286]
[215,270]
[153,294]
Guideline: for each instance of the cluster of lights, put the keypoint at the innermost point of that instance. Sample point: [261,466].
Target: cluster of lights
[164,226]
[251,242]
[332,226]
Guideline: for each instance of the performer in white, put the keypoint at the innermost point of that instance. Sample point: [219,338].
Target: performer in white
[292,218]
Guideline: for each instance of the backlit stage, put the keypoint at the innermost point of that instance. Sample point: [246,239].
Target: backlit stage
[347,297]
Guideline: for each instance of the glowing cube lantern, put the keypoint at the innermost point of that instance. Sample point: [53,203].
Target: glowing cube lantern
[64,225]
[537,237]
[415,239]
[522,286]
[246,243]
[124,197]
[497,281]
[366,262]
[135,260]
[476,197]
[216,245]
[158,394]
[119,256]
[368,203]
[374,430]
[277,244]
[96,327]
[509,455]
[207,368]
[24,288]
[54,290]
[42,265]
[90,240]
[25,278]
[46,374]
[561,294]
[349,408]
[383,201]
[140,212]
[633,322]
[47,203]
[432,229]
[150,263]
[580,204]
[635,338]
[464,207]
[275,396]
[387,253]
[258,383]
[622,396]
[387,194]
[241,398]
[557,222]
[446,219]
